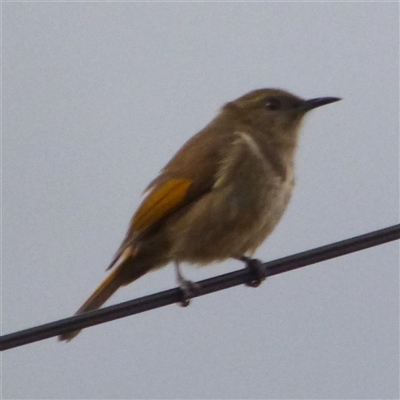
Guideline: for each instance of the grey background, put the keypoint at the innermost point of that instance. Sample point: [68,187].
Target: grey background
[97,97]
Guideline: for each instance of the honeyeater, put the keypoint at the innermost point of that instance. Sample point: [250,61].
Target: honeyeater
[221,194]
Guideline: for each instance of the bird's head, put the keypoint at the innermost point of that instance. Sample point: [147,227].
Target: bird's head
[274,112]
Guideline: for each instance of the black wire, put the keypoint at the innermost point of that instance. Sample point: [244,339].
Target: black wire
[206,286]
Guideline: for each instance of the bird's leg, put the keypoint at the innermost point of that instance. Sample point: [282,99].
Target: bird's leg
[188,288]
[256,269]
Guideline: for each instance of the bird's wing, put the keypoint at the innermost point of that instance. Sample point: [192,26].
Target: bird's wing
[159,202]
[188,176]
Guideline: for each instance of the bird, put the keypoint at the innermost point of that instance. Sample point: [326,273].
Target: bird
[219,197]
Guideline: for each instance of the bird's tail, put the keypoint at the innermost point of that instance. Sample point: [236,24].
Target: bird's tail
[107,288]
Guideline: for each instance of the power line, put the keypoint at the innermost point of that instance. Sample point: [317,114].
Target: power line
[206,286]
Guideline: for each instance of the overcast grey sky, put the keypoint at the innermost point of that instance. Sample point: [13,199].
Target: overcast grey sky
[98,96]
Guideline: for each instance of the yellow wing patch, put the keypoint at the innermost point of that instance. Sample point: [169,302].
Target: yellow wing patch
[159,202]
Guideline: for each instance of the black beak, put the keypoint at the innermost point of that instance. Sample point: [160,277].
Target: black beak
[318,102]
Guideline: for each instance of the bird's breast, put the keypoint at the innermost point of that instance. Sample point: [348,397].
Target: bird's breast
[245,204]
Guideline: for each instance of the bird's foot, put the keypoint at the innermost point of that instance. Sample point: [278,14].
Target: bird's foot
[256,269]
[189,289]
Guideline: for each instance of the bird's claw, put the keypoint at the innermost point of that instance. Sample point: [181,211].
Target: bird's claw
[256,269]
[189,289]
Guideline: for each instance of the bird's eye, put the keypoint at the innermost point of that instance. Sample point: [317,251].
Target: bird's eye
[273,104]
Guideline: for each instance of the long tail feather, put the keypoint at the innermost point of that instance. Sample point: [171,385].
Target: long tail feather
[106,289]
[126,272]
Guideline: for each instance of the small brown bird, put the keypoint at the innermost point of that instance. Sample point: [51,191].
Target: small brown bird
[219,197]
